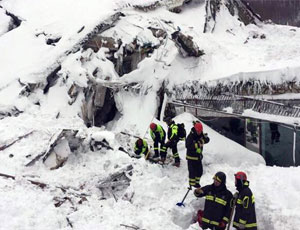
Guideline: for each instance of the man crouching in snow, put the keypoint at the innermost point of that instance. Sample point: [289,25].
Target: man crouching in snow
[218,201]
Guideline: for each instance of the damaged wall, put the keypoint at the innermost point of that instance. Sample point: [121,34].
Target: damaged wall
[99,106]
[235,7]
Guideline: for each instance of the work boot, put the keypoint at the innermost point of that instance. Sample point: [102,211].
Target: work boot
[176,164]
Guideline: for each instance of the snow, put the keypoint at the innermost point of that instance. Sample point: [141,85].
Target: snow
[152,206]
[4,22]
[149,202]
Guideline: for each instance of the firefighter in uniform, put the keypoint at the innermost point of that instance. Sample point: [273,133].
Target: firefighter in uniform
[173,139]
[194,145]
[245,217]
[158,135]
[141,148]
[218,202]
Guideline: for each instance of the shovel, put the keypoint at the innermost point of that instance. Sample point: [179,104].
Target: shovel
[181,203]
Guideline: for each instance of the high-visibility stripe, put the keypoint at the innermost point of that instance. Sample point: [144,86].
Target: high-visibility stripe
[225,219]
[214,223]
[242,221]
[239,201]
[221,201]
[163,149]
[253,199]
[176,155]
[192,158]
[155,148]
[246,201]
[251,225]
[210,221]
[192,181]
[217,200]
[218,179]
[208,197]
[205,220]
[174,129]
[152,134]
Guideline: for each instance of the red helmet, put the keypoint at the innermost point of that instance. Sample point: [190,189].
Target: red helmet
[153,126]
[241,176]
[198,127]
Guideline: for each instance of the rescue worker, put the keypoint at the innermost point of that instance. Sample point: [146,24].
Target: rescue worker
[194,153]
[173,140]
[158,135]
[218,202]
[245,217]
[141,148]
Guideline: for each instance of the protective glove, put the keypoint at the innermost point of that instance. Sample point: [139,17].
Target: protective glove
[241,226]
[222,225]
[198,192]
[235,195]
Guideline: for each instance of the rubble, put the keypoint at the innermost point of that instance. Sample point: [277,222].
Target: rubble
[185,45]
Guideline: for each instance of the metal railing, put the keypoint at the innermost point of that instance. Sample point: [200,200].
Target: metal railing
[239,104]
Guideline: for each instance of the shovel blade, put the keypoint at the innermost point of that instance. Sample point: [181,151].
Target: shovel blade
[180,204]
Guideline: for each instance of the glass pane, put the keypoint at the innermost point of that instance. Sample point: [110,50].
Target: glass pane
[284,12]
[277,144]
[252,135]
[298,148]
[231,127]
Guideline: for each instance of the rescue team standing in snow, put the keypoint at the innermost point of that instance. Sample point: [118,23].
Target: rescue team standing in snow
[219,202]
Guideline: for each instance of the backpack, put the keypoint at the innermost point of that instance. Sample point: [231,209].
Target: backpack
[181,131]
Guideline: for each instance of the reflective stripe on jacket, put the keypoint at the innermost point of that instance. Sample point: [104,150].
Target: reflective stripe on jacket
[173,132]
